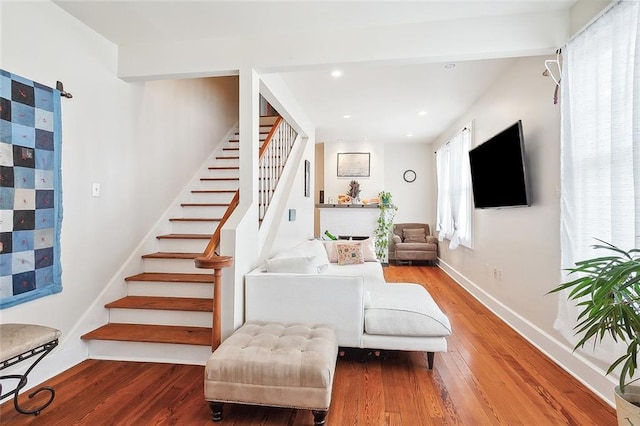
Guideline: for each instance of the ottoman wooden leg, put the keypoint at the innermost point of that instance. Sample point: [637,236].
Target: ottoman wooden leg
[319,416]
[430,356]
[216,410]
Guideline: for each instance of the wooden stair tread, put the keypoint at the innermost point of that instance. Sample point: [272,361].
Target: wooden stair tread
[151,334]
[168,277]
[190,304]
[184,237]
[195,219]
[220,179]
[262,132]
[228,158]
[213,191]
[235,141]
[171,255]
[204,204]
[224,168]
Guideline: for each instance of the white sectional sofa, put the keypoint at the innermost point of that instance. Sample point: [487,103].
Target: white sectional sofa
[324,282]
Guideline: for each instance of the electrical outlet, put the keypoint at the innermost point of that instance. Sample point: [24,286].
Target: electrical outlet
[95,190]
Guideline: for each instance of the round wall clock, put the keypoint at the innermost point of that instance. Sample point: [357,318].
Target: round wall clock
[409,176]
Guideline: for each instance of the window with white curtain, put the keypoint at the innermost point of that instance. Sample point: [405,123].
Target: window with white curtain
[454,203]
[600,140]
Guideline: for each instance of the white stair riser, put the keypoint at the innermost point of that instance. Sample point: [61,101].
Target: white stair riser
[212,197]
[163,289]
[224,173]
[204,211]
[182,245]
[264,132]
[172,266]
[182,227]
[149,352]
[219,184]
[227,162]
[233,143]
[160,317]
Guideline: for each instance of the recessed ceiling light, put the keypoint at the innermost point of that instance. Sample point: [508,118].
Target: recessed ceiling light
[422,113]
[347,116]
[450,65]
[336,73]
[339,140]
[409,134]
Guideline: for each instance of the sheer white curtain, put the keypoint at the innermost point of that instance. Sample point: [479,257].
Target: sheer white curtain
[454,209]
[444,220]
[600,151]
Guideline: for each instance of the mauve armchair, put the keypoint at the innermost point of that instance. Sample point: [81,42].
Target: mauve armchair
[413,241]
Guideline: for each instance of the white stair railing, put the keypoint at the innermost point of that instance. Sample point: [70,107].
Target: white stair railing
[273,157]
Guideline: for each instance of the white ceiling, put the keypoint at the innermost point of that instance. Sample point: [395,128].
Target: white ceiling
[383,99]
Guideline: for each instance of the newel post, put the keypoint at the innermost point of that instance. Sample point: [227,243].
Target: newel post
[217,263]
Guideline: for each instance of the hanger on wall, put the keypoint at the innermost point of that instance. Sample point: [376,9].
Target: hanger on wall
[60,87]
[551,66]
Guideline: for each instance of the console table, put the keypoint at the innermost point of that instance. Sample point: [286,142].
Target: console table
[19,342]
[349,220]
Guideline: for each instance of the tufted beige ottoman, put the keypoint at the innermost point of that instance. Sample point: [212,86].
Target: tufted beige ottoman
[280,365]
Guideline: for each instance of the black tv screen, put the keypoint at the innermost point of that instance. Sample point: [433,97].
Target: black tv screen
[498,173]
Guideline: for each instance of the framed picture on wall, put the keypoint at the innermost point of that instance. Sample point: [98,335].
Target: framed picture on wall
[354,164]
[307,178]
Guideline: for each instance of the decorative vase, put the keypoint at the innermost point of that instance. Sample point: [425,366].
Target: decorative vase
[627,408]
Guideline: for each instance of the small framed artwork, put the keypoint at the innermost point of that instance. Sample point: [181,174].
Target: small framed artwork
[307,178]
[354,164]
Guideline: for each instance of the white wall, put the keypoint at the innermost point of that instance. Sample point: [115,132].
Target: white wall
[141,141]
[583,11]
[521,242]
[289,233]
[391,161]
[413,199]
[369,186]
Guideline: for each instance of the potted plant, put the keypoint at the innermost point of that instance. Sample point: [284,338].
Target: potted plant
[608,292]
[385,225]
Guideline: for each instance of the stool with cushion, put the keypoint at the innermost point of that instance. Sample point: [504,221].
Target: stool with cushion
[273,364]
[413,241]
[20,342]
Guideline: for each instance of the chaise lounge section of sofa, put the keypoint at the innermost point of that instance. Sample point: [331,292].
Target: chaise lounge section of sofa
[341,283]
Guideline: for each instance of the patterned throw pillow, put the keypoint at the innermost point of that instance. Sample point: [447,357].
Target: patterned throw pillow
[368,249]
[349,254]
[414,235]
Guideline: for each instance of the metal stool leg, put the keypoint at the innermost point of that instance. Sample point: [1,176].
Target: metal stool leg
[44,351]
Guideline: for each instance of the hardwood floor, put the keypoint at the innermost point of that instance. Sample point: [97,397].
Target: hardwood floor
[488,376]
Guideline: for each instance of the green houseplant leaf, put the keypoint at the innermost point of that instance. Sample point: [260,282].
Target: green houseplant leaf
[385,224]
[607,291]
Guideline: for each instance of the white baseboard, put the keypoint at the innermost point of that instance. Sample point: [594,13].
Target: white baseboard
[573,363]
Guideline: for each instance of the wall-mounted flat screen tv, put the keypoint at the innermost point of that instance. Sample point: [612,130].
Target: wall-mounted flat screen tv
[498,172]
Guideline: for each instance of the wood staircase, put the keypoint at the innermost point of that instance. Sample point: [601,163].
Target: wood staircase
[171,302]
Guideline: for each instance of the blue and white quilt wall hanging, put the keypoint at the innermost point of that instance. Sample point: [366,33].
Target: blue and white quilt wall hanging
[30,190]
